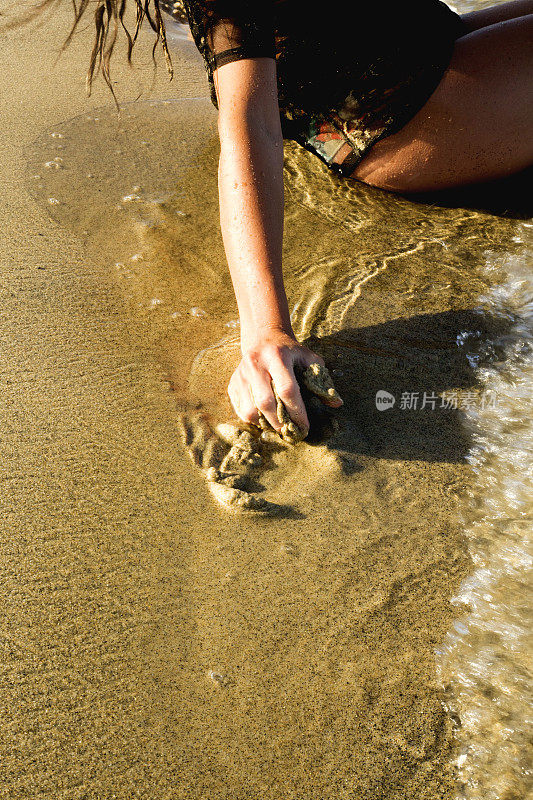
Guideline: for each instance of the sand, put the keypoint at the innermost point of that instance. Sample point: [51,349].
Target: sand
[156,646]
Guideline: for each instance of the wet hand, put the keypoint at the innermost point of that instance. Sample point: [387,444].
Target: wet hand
[271,357]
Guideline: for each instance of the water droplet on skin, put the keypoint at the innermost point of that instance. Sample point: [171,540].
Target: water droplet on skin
[130,198]
[52,165]
[197,312]
[155,301]
[53,201]
[119,265]
[57,135]
[137,257]
[175,314]
[233,323]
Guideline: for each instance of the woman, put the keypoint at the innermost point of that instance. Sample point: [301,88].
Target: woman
[406,96]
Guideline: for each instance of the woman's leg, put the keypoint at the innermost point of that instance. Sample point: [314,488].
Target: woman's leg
[490,16]
[478,123]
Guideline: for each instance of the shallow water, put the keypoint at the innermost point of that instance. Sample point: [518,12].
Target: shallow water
[306,665]
[486,660]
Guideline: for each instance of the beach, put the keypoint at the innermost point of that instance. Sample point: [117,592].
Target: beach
[158,645]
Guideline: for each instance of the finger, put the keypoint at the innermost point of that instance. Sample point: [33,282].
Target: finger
[241,399]
[289,392]
[311,358]
[263,396]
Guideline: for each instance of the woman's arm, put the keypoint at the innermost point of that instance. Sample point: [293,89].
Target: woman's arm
[250,181]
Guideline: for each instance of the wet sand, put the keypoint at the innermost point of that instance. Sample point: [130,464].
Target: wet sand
[155,645]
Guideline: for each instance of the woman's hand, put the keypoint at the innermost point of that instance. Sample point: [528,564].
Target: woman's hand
[250,181]
[271,357]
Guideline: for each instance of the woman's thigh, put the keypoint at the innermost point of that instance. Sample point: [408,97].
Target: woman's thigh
[477,125]
[500,13]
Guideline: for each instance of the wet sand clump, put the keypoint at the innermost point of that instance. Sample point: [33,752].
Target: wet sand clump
[319,384]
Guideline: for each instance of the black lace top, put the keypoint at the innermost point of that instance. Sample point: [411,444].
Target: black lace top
[344,80]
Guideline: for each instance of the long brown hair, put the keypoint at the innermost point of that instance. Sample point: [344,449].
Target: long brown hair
[108,17]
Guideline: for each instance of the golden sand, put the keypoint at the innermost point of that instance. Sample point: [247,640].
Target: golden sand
[155,646]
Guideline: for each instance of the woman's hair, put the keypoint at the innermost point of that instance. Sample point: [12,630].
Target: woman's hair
[108,19]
